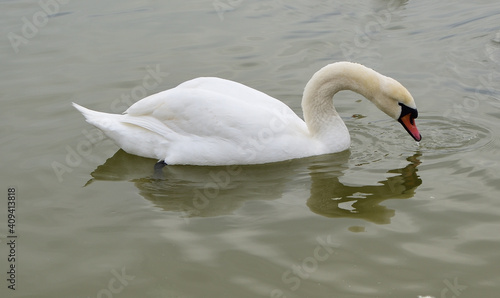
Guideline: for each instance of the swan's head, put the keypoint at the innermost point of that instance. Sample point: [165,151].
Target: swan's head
[385,92]
[397,102]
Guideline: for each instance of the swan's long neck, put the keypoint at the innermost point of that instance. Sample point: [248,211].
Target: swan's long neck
[319,113]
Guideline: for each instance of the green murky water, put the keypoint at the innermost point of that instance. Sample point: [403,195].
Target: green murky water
[388,218]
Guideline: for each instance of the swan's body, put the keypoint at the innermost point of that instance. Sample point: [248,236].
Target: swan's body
[212,121]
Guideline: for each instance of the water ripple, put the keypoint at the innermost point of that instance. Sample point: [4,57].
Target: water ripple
[440,136]
[444,135]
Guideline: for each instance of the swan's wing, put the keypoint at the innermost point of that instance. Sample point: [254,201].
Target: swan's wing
[235,90]
[215,108]
[226,88]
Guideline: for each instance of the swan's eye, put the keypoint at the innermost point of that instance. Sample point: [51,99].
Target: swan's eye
[405,110]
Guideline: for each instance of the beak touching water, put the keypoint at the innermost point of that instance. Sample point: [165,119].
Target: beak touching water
[407,119]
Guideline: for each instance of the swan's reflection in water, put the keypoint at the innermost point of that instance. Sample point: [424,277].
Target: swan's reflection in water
[329,197]
[212,191]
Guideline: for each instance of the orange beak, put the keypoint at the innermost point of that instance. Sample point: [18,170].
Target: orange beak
[408,122]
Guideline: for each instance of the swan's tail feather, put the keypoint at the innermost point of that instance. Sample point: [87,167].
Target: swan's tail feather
[103,121]
[89,114]
[135,136]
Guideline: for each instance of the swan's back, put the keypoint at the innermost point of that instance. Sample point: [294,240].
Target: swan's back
[205,89]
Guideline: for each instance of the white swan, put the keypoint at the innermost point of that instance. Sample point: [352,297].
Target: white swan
[212,121]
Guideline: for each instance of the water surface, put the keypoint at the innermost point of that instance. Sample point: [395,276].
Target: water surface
[388,218]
